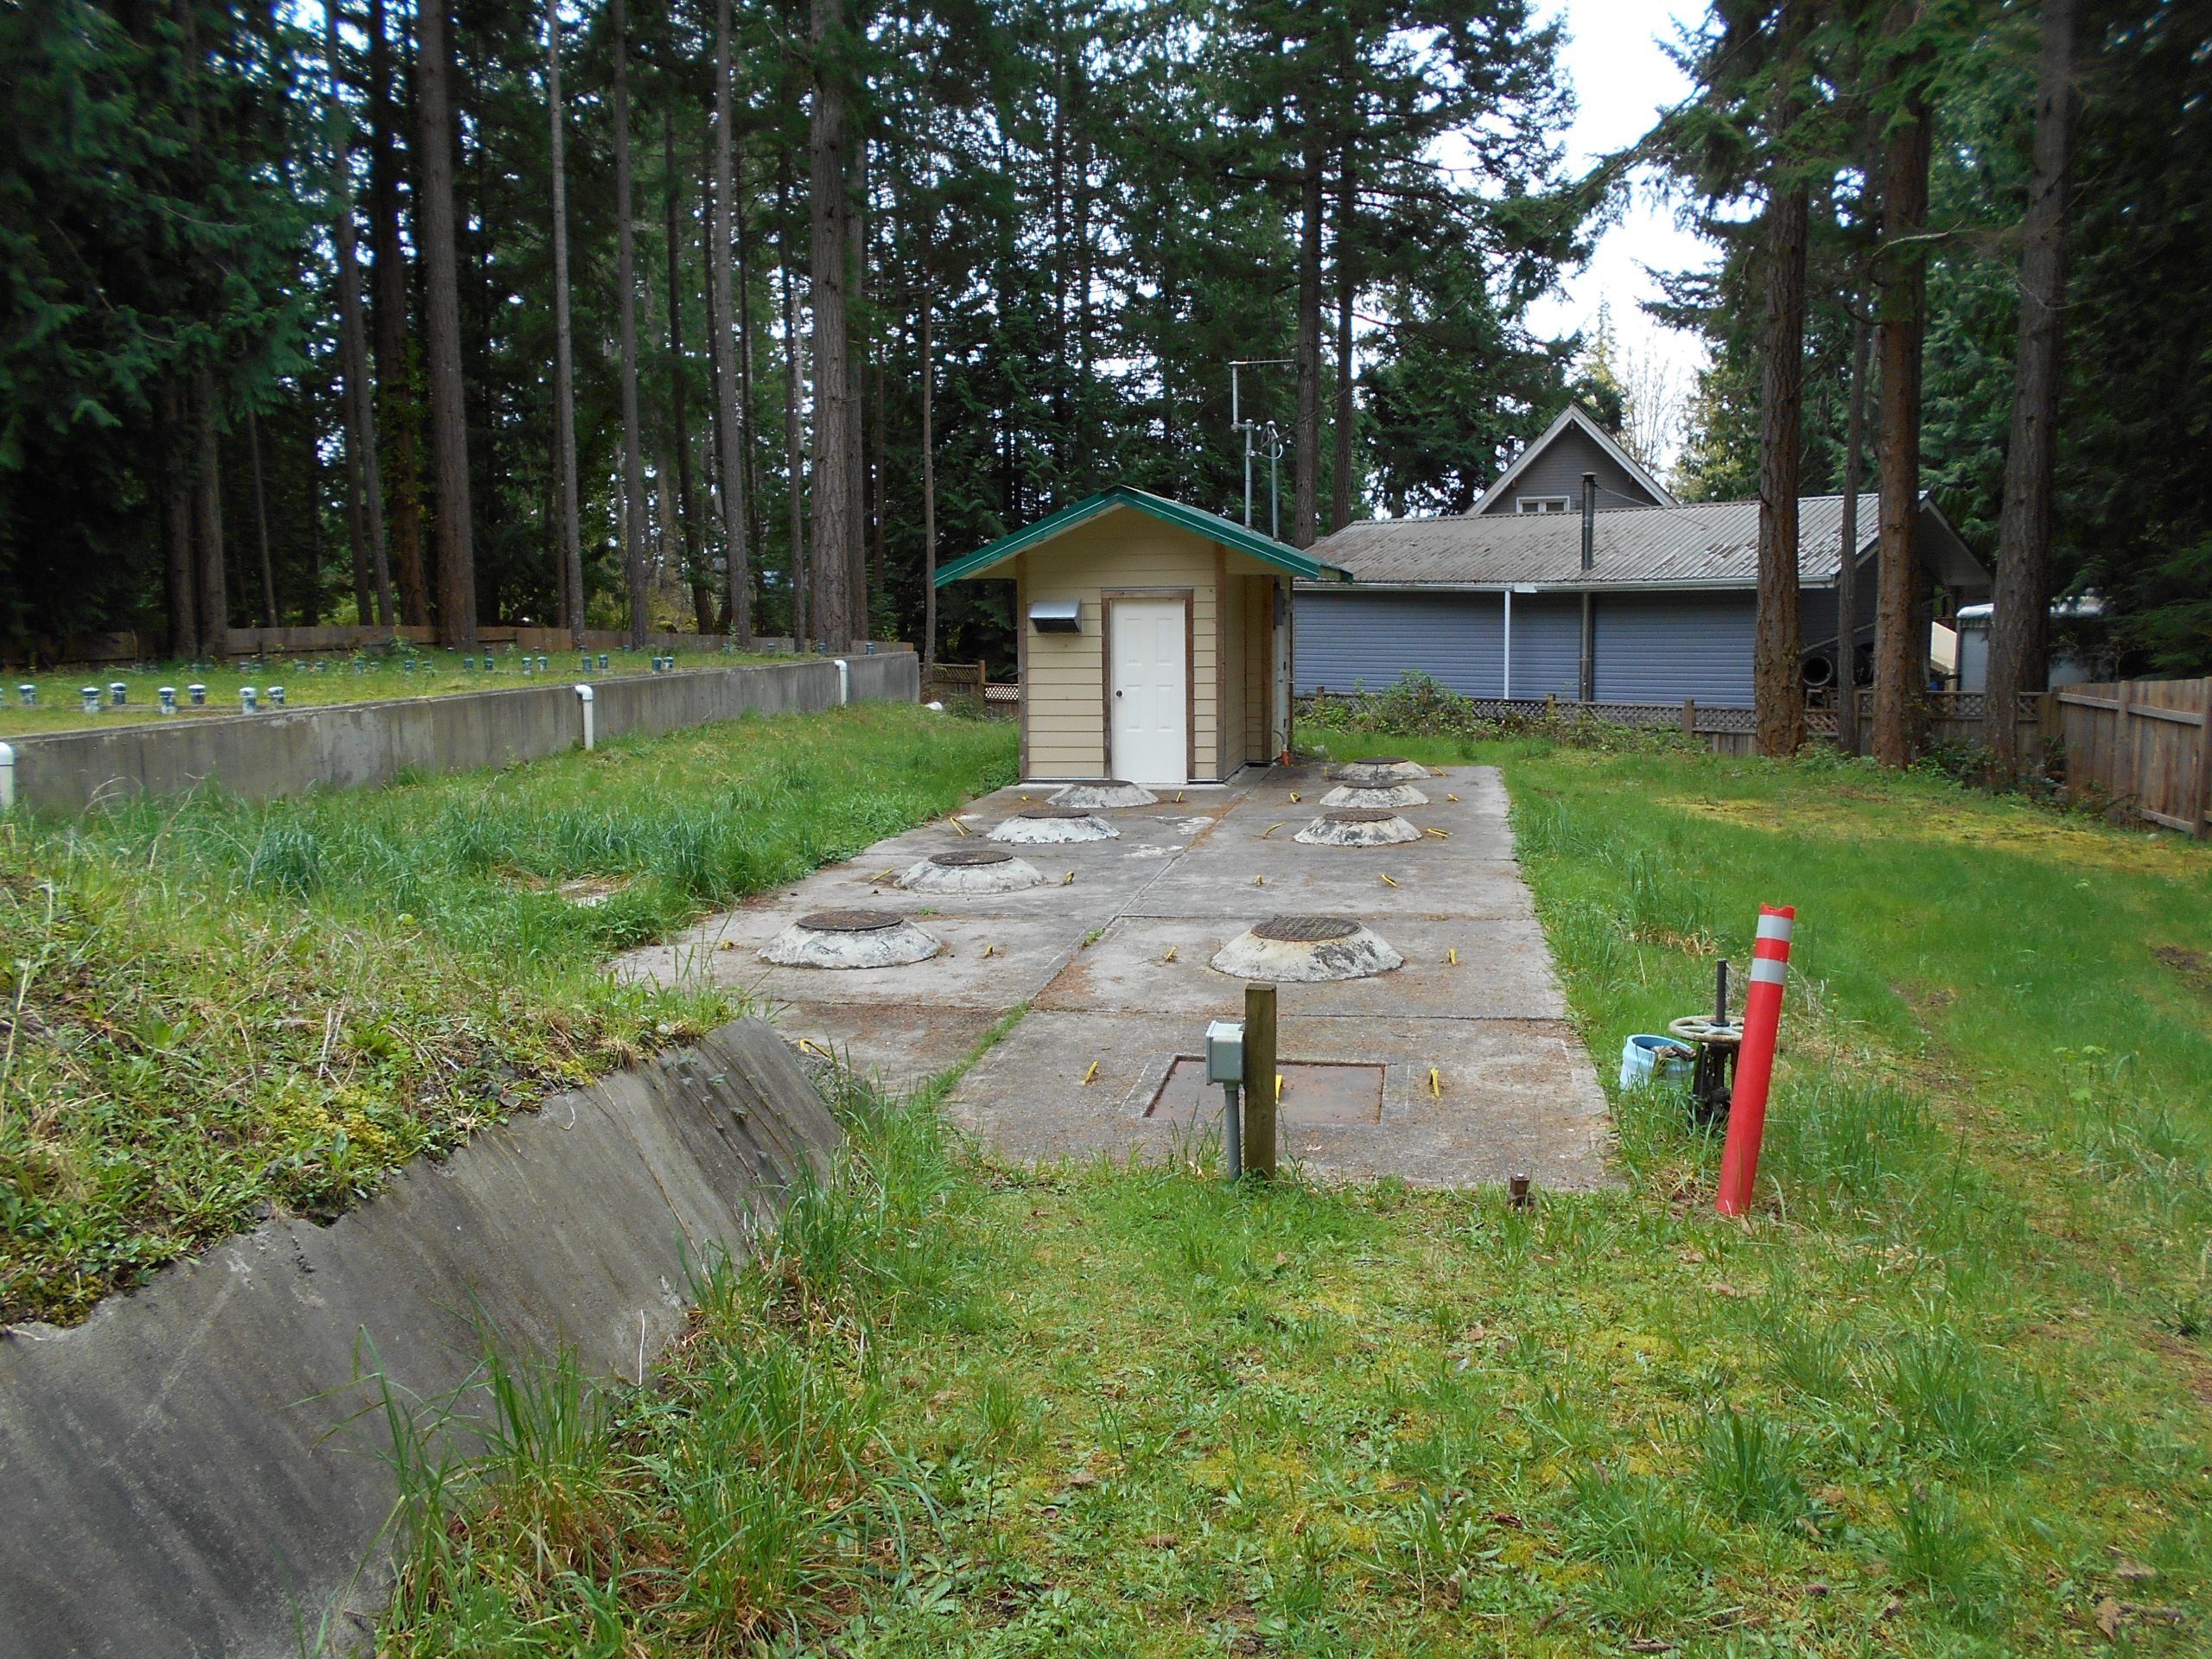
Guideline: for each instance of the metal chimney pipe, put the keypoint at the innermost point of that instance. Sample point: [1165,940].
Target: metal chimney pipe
[1589,521]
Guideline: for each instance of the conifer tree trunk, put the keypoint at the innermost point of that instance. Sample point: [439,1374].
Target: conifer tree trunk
[755,531]
[929,473]
[833,444]
[858,334]
[261,520]
[433,234]
[1778,684]
[794,433]
[365,522]
[679,429]
[212,598]
[2019,622]
[569,540]
[732,428]
[177,498]
[1307,485]
[1846,579]
[625,305]
[1340,495]
[1897,654]
[402,495]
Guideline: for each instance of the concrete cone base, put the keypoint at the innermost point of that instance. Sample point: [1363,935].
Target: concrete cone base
[1010,876]
[1393,794]
[1383,832]
[1356,955]
[883,947]
[1112,793]
[1048,832]
[1380,771]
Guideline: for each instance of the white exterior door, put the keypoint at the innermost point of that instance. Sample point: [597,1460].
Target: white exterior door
[1149,695]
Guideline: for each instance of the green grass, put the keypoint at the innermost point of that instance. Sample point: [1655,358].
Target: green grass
[359,677]
[209,1007]
[1945,1393]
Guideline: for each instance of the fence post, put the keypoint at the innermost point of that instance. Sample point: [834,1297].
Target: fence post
[1260,1073]
[2123,750]
[2204,759]
[1689,716]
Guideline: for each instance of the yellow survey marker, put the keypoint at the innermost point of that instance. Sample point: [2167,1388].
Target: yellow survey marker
[1093,1073]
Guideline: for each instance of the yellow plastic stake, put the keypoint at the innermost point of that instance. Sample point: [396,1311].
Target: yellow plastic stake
[1293,796]
[1442,835]
[1278,1088]
[1093,1073]
[1270,829]
[1178,797]
[988,949]
[1389,881]
[1025,797]
[1435,1084]
[1169,956]
[1068,879]
[813,1047]
[881,875]
[956,824]
[1259,880]
[1450,797]
[1453,955]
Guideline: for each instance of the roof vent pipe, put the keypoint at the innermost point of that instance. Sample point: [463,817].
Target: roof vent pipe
[1589,521]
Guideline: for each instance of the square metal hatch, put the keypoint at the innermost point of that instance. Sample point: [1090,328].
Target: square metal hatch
[1316,1094]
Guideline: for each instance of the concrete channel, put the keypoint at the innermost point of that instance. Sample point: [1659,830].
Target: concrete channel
[1466,1050]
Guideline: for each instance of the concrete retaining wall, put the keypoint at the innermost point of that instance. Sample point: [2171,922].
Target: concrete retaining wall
[349,745]
[181,1479]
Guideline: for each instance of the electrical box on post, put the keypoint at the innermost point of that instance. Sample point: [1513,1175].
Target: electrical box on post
[1057,616]
[1225,1051]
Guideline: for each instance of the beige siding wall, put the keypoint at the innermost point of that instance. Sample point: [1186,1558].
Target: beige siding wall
[1064,675]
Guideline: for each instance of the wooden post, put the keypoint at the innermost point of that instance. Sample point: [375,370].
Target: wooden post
[1689,716]
[1260,1081]
[2123,749]
[2204,759]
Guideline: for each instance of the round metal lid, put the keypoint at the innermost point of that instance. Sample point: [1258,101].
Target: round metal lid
[850,921]
[1054,812]
[1304,930]
[1359,815]
[969,858]
[1379,761]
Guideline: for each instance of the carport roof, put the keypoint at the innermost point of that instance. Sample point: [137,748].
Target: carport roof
[1212,526]
[1705,544]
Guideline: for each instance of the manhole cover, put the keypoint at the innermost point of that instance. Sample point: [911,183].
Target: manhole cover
[969,858]
[1054,812]
[848,921]
[1361,815]
[1304,930]
[1380,760]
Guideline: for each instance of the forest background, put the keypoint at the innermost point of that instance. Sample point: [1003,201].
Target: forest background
[622,313]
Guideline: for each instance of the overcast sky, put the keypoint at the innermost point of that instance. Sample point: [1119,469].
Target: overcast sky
[1621,77]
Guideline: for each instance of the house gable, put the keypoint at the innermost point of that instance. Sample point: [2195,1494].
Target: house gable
[1547,476]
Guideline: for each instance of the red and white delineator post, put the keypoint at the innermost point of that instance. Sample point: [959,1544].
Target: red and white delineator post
[1739,1155]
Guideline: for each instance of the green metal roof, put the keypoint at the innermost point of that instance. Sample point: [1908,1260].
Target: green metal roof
[1213,527]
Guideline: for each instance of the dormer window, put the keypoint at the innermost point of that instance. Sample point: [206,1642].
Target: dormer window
[1539,504]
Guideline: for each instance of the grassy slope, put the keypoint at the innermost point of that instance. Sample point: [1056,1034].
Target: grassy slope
[383,675]
[1947,1394]
[210,1006]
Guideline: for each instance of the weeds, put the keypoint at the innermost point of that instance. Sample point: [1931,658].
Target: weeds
[213,1006]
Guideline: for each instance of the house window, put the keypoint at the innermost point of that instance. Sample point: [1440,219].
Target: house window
[1539,504]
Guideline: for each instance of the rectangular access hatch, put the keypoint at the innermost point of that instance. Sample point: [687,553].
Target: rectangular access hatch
[1316,1094]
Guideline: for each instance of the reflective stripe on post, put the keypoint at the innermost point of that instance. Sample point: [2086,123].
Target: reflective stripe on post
[1739,1157]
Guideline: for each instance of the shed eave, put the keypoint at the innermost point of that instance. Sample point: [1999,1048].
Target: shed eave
[1301,565]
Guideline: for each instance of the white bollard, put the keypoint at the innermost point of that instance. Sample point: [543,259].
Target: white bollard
[7,776]
[844,682]
[584,696]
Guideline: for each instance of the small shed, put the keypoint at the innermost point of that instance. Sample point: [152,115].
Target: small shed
[1156,640]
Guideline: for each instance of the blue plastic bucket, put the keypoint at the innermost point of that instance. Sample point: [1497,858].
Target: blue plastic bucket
[1647,1059]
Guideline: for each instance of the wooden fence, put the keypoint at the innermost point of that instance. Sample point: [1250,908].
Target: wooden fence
[2145,741]
[969,685]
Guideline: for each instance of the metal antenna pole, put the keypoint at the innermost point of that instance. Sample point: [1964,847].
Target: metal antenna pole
[1238,423]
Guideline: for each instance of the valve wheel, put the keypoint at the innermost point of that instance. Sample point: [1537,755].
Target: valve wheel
[1702,1029]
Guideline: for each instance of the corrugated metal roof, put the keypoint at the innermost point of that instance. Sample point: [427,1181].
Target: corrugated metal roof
[1695,544]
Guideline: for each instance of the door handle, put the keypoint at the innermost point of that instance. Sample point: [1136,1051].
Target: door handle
[1117,693]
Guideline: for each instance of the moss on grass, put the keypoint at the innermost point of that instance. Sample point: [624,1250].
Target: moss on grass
[209,1007]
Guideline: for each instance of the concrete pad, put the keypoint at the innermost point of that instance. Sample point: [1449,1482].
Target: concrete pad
[1505,972]
[1513,1089]
[1509,1096]
[899,1044]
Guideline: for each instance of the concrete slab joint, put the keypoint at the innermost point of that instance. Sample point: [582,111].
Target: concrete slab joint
[1128,944]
